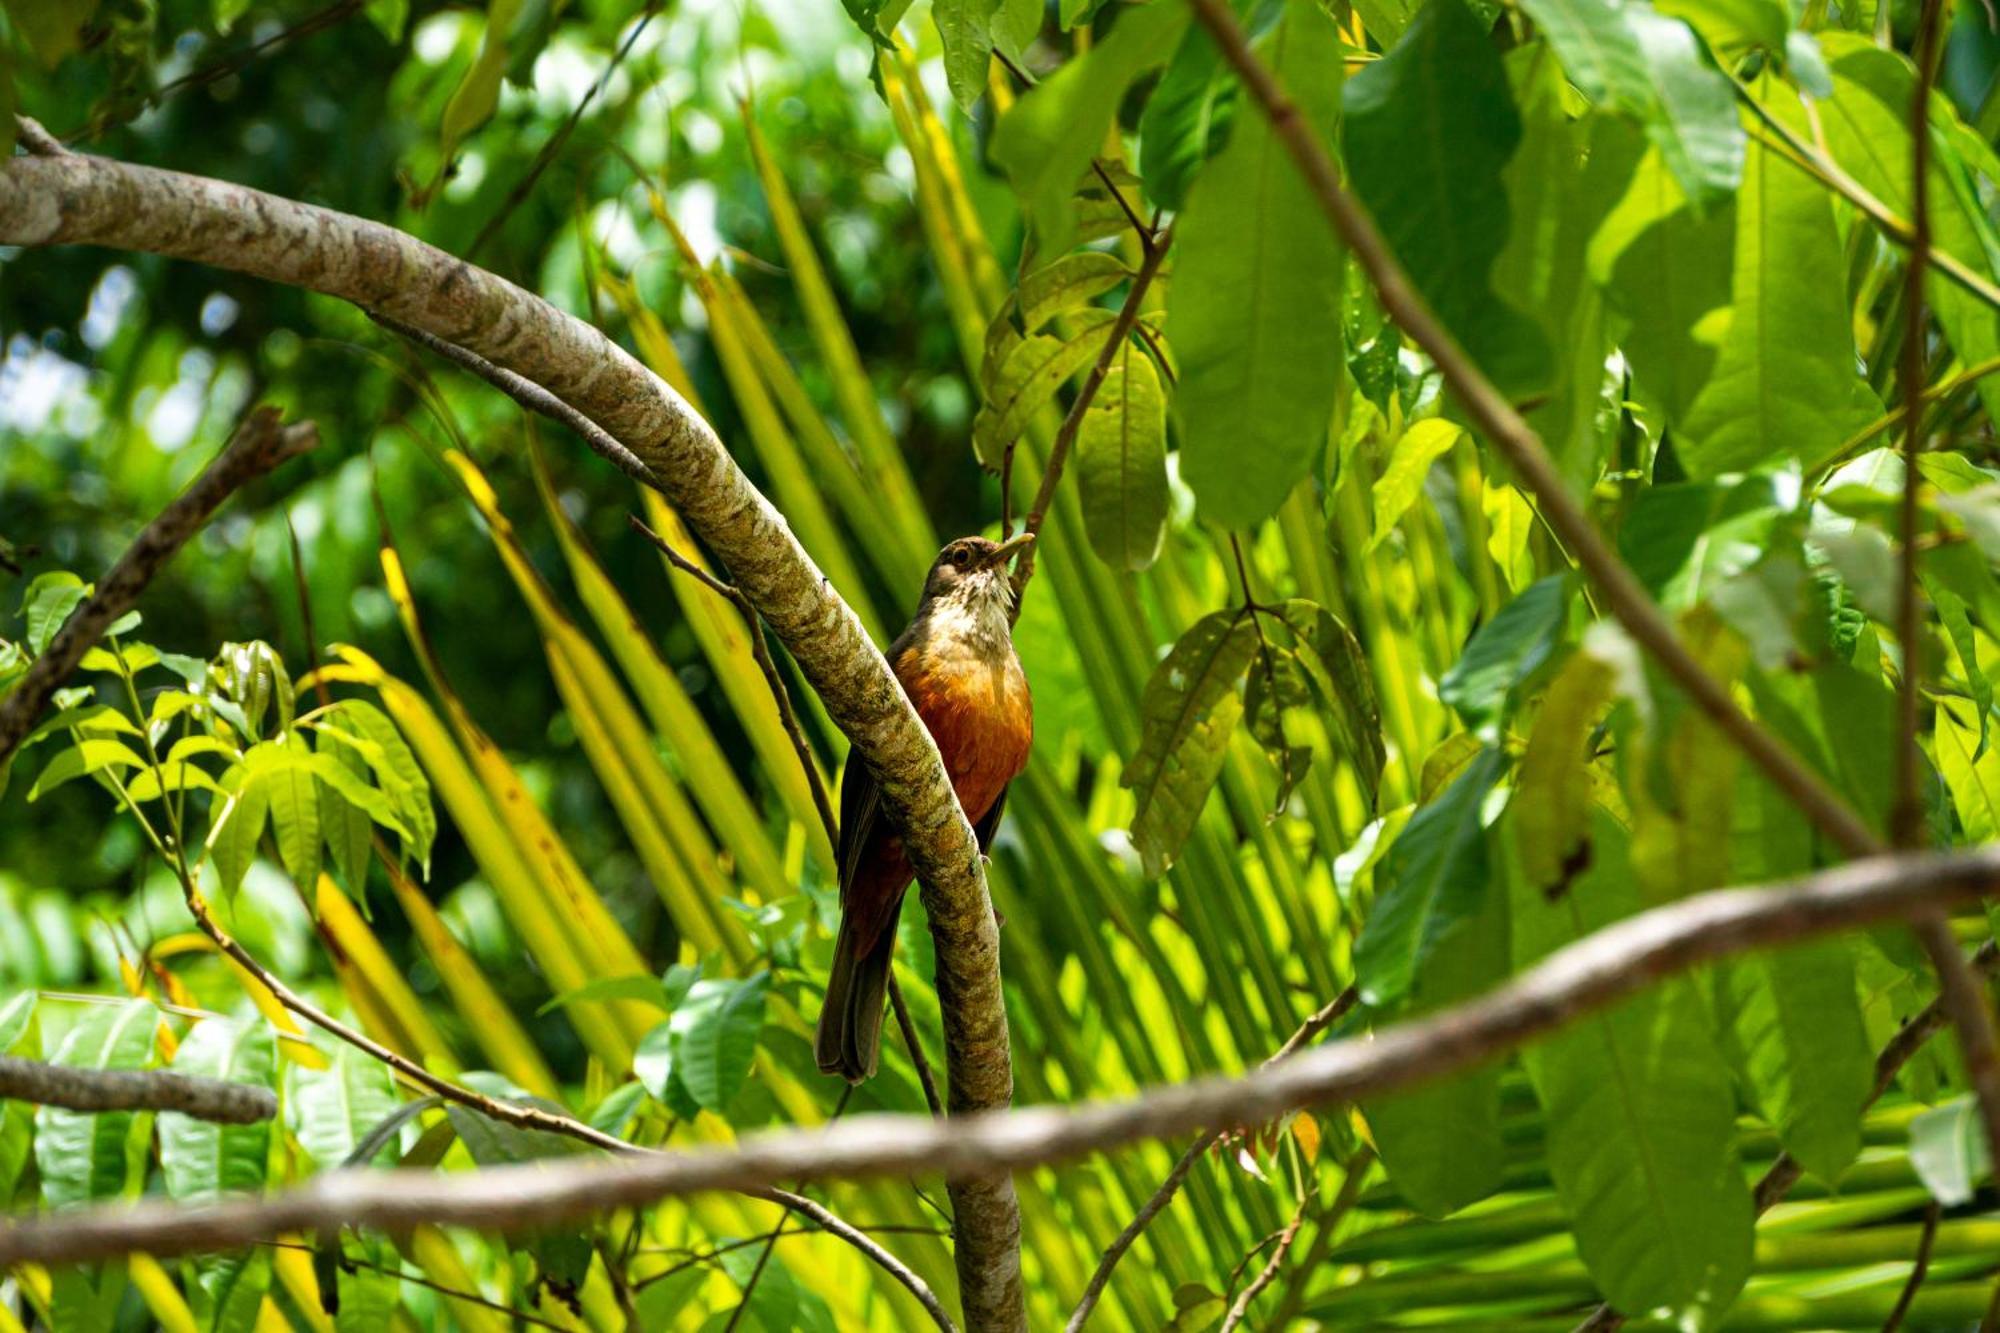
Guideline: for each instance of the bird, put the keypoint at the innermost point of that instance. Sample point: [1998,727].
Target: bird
[956,663]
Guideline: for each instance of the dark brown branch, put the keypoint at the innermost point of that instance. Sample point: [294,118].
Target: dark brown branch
[1918,1269]
[134,1090]
[908,1027]
[1607,966]
[259,445]
[1324,1018]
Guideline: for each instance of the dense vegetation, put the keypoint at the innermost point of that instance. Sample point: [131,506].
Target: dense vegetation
[1333,729]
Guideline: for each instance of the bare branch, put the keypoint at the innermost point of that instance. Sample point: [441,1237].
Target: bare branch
[36,139]
[1240,1307]
[1580,979]
[259,445]
[1918,1269]
[134,1090]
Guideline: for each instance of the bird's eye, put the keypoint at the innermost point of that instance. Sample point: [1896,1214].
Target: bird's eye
[961,557]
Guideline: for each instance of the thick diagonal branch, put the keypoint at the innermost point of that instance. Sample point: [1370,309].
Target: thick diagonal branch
[134,1090]
[90,200]
[258,445]
[1561,990]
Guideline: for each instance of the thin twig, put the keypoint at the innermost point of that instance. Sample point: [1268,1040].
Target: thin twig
[908,1026]
[134,1090]
[529,395]
[1324,1238]
[764,1256]
[401,1275]
[554,146]
[760,650]
[37,140]
[1269,1272]
[1918,1269]
[259,445]
[1321,1020]
[1155,246]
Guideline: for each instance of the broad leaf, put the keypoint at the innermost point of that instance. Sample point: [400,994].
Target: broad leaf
[87,1155]
[47,604]
[1430,884]
[1506,651]
[1641,1117]
[200,1159]
[1188,710]
[1410,459]
[1552,809]
[965,27]
[1255,314]
[1949,1150]
[335,1108]
[1429,129]
[1121,463]
[85,758]
[715,1037]
[1784,384]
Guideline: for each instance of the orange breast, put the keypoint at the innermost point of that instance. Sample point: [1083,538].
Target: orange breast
[981,716]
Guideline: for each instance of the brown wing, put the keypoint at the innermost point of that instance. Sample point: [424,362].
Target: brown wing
[860,812]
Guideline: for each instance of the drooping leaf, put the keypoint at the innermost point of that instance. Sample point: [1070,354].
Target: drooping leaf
[47,604]
[1035,368]
[1429,129]
[1186,119]
[1430,884]
[84,758]
[1255,314]
[397,771]
[1188,710]
[1784,384]
[87,1155]
[1641,1117]
[1338,670]
[1507,650]
[1442,1142]
[965,27]
[1121,463]
[233,838]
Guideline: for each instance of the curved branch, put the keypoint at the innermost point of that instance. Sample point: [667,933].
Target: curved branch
[90,200]
[1568,985]
[259,445]
[134,1090]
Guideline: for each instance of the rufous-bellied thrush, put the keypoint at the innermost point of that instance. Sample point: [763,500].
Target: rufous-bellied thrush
[956,662]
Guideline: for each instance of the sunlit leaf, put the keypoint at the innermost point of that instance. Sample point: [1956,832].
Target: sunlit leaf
[1121,462]
[1189,707]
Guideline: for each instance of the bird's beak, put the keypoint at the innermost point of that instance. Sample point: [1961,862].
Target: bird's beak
[1006,550]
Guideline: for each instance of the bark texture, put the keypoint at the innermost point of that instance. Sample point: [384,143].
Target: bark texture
[1565,987]
[78,199]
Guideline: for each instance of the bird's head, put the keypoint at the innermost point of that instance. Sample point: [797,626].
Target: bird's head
[973,571]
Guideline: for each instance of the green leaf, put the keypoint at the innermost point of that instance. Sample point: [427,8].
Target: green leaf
[644,989]
[1027,381]
[1784,383]
[1664,265]
[1186,119]
[85,757]
[1187,712]
[1953,615]
[294,807]
[1255,311]
[1506,651]
[1044,145]
[335,1108]
[226,1292]
[1734,27]
[86,1155]
[1429,129]
[1340,675]
[1430,884]
[1866,123]
[1410,459]
[715,1037]
[1641,1136]
[397,771]
[1686,541]
[1972,777]
[1633,61]
[1949,1151]
[17,1011]
[1121,463]
[966,29]
[1442,1142]
[1278,683]
[199,1159]
[233,839]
